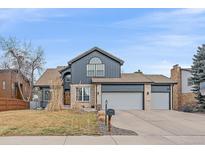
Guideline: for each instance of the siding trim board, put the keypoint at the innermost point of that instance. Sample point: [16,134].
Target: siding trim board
[170,100]
[143,100]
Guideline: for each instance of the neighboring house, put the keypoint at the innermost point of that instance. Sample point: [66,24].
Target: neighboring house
[183,96]
[94,77]
[44,83]
[9,87]
[202,88]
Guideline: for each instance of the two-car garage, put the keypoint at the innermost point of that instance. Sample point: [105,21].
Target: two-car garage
[126,97]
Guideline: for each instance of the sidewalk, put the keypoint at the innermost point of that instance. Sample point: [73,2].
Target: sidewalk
[101,140]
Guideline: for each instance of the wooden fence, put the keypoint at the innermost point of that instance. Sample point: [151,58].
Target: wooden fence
[12,104]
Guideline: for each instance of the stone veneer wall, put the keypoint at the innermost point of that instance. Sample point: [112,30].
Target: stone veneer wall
[187,99]
[180,100]
[92,101]
[147,97]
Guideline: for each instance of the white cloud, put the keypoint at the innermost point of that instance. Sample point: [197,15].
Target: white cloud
[169,34]
[179,20]
[10,17]
[162,67]
[52,40]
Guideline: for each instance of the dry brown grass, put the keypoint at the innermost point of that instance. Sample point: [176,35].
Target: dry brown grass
[65,122]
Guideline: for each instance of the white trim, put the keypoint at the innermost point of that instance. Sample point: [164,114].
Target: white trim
[82,94]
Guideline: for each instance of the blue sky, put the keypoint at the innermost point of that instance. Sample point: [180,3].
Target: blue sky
[152,40]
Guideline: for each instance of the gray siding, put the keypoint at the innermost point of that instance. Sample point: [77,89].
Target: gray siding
[78,68]
[122,88]
[66,85]
[160,88]
[185,75]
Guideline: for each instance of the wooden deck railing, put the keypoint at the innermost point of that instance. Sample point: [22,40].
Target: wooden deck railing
[12,104]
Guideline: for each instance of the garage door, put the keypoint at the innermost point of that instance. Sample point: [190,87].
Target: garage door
[123,101]
[160,101]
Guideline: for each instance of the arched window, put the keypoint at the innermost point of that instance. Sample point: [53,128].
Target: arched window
[68,78]
[95,60]
[95,68]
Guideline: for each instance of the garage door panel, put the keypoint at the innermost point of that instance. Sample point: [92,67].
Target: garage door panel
[123,101]
[160,101]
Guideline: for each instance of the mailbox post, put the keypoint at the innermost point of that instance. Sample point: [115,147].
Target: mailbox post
[110,113]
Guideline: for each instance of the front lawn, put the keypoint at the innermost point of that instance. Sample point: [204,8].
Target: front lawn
[29,122]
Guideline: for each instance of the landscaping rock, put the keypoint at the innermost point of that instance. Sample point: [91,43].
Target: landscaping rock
[115,130]
[101,118]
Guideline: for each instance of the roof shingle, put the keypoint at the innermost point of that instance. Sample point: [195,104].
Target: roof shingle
[159,78]
[135,78]
[49,76]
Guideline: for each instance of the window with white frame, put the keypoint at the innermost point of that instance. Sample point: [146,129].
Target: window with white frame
[4,85]
[95,68]
[83,94]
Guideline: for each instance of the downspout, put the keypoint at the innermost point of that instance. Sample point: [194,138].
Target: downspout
[11,85]
[171,107]
[96,95]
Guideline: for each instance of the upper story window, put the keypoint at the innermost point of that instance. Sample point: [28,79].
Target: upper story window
[68,78]
[189,82]
[95,68]
[4,85]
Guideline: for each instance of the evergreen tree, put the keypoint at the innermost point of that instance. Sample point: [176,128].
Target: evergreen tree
[198,72]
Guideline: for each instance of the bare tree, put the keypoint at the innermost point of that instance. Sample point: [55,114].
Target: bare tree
[56,95]
[36,62]
[23,58]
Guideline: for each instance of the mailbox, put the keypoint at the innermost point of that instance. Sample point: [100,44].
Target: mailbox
[110,112]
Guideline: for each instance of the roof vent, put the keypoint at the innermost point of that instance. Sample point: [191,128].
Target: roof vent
[138,71]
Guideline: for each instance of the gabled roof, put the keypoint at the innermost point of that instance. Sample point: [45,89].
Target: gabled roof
[136,78]
[186,69]
[125,78]
[15,71]
[158,78]
[65,68]
[96,49]
[48,77]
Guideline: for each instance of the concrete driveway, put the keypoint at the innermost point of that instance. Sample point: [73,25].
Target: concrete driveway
[161,127]
[153,127]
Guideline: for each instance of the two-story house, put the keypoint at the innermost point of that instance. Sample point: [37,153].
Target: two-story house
[94,78]
[182,91]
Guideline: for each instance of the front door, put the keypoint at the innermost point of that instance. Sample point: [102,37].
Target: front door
[67,98]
